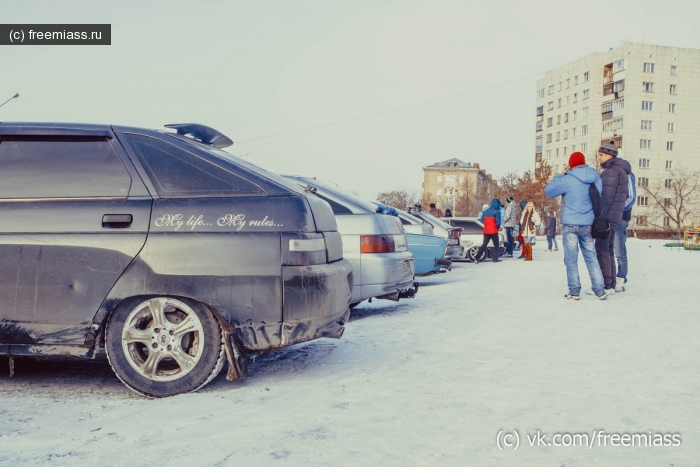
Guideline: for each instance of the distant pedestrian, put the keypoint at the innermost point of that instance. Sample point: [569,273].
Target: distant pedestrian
[491,217]
[551,232]
[529,221]
[576,218]
[435,211]
[510,221]
[521,239]
[612,204]
[448,213]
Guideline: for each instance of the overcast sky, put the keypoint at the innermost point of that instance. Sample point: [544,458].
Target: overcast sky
[289,81]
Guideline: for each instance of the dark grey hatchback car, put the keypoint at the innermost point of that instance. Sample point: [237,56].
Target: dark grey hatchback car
[171,253]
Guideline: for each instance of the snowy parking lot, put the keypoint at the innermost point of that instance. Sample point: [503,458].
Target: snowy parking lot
[484,349]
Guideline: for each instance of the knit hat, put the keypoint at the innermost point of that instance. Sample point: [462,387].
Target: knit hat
[609,149]
[576,159]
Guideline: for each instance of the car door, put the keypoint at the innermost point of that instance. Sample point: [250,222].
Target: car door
[74,215]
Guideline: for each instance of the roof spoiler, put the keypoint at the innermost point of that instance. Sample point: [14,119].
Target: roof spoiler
[202,133]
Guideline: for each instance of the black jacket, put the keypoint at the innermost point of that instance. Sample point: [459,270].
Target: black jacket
[615,178]
[551,229]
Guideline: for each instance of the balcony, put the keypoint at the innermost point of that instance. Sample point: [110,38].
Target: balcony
[616,140]
[538,157]
[538,126]
[607,116]
[540,111]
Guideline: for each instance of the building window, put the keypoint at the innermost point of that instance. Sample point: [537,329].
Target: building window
[667,221]
[558,135]
[558,103]
[586,94]
[584,147]
[642,182]
[566,101]
[573,132]
[575,97]
[672,89]
[550,121]
[550,90]
[438,192]
[573,115]
[549,152]
[668,183]
[644,163]
[648,87]
[647,106]
[557,152]
[648,68]
[667,202]
[669,165]
[575,80]
[618,65]
[573,146]
[549,138]
[642,200]
[645,144]
[646,124]
[584,112]
[617,123]
[586,76]
[674,70]
[584,130]
[439,178]
[550,105]
[564,151]
[566,117]
[671,127]
[618,104]
[540,94]
[566,136]
[641,220]
[568,83]
[671,108]
[669,145]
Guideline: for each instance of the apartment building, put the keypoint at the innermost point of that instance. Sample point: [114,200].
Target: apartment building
[458,186]
[645,98]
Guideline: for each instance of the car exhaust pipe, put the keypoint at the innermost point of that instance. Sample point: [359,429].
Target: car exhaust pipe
[445,263]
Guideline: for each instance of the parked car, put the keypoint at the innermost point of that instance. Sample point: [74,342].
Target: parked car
[374,243]
[472,236]
[171,253]
[428,250]
[455,251]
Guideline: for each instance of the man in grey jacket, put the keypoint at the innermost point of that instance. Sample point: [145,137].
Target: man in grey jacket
[612,204]
[510,220]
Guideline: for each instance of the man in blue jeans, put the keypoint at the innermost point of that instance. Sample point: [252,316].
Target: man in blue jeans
[510,220]
[576,218]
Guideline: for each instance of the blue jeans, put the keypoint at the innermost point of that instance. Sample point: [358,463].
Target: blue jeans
[621,249]
[510,245]
[550,239]
[573,236]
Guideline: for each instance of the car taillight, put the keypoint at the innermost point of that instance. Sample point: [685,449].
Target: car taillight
[306,251]
[382,243]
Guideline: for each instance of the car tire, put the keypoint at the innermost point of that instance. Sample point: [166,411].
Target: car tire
[163,346]
[471,254]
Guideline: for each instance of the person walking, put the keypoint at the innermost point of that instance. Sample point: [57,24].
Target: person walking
[615,178]
[530,220]
[576,218]
[435,211]
[491,217]
[521,239]
[510,221]
[551,231]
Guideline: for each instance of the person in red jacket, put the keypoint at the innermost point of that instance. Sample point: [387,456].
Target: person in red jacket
[491,218]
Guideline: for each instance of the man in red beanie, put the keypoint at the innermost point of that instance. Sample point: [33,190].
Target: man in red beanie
[576,219]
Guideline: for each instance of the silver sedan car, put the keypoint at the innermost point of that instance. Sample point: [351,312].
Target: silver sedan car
[374,243]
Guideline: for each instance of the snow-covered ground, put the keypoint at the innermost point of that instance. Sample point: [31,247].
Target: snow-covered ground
[429,381]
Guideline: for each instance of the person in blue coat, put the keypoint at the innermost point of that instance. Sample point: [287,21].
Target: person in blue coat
[576,219]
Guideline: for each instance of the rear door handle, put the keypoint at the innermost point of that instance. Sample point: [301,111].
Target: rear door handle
[117,221]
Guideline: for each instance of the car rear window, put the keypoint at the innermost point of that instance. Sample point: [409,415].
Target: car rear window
[176,172]
[468,227]
[60,167]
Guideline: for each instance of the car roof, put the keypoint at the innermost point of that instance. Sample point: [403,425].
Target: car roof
[54,129]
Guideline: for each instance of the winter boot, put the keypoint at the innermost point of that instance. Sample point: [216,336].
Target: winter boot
[528,252]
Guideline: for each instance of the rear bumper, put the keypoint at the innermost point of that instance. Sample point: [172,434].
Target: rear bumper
[384,274]
[455,252]
[316,301]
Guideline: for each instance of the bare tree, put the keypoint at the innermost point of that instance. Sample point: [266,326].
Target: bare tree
[675,198]
[528,186]
[400,199]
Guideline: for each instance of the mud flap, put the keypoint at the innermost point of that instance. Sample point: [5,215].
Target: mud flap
[234,355]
